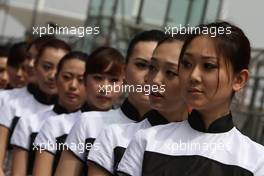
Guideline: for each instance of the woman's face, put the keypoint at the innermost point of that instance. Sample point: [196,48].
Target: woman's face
[164,73]
[31,62]
[98,95]
[70,83]
[18,75]
[137,69]
[3,73]
[46,68]
[207,83]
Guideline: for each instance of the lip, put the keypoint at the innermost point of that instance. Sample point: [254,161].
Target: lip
[103,98]
[195,91]
[156,95]
[71,95]
[51,85]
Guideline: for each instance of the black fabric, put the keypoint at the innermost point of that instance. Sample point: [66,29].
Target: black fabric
[61,110]
[12,127]
[31,154]
[40,96]
[155,118]
[130,111]
[156,164]
[221,125]
[118,154]
[89,141]
[85,108]
[60,144]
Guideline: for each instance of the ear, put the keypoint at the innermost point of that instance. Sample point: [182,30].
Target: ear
[240,80]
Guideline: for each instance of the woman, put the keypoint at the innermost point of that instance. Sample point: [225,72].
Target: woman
[71,96]
[36,98]
[134,107]
[167,107]
[104,66]
[212,70]
[3,68]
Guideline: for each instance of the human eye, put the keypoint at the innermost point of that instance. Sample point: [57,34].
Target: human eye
[46,66]
[66,77]
[210,66]
[97,77]
[171,73]
[186,63]
[152,68]
[141,65]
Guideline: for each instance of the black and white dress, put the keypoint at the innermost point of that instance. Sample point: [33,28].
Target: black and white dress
[27,104]
[187,148]
[112,142]
[27,129]
[53,133]
[91,124]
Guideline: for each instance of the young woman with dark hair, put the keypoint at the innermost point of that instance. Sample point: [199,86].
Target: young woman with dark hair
[35,98]
[71,97]
[84,132]
[211,71]
[104,66]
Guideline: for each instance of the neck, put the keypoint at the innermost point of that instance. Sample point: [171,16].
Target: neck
[211,114]
[177,115]
[69,108]
[141,108]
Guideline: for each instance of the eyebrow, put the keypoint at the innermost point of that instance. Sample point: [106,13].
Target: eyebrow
[166,62]
[141,59]
[202,56]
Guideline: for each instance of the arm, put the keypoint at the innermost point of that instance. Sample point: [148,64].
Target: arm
[69,165]
[72,160]
[95,170]
[19,162]
[43,164]
[4,134]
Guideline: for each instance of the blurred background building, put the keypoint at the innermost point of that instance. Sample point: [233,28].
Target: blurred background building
[118,20]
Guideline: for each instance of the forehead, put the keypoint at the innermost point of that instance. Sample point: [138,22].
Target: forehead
[202,46]
[74,65]
[3,61]
[144,50]
[52,55]
[168,52]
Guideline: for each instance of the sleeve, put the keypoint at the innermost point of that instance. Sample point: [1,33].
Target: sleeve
[7,113]
[21,134]
[46,139]
[102,152]
[132,160]
[76,140]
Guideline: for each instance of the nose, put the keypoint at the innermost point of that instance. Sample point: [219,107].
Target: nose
[158,78]
[73,84]
[51,75]
[195,76]
[19,72]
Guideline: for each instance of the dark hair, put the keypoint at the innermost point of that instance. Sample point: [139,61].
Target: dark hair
[40,41]
[71,55]
[53,43]
[4,51]
[175,37]
[17,54]
[101,58]
[233,46]
[145,36]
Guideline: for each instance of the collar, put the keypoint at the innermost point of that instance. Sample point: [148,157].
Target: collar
[85,108]
[155,118]
[220,125]
[39,95]
[61,110]
[130,111]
